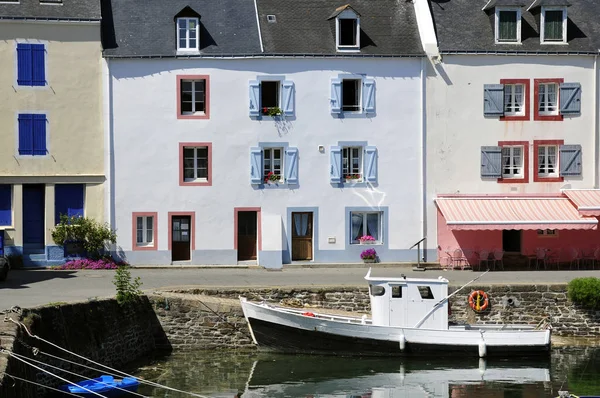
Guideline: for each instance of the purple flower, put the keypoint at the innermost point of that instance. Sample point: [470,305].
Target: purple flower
[368,254]
[89,264]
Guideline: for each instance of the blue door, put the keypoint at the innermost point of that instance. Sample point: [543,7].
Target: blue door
[33,215]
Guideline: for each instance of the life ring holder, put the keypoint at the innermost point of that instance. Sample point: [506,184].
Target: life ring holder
[479,301]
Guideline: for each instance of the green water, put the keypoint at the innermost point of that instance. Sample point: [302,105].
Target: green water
[254,375]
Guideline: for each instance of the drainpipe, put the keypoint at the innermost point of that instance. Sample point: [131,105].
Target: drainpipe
[596,126]
[423,167]
[109,143]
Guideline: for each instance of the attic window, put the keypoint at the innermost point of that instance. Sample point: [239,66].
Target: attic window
[271,19]
[554,25]
[187,34]
[508,25]
[348,33]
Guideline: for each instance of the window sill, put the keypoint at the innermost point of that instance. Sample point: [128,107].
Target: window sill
[548,179]
[548,117]
[559,43]
[344,49]
[512,180]
[196,183]
[144,248]
[184,52]
[197,115]
[366,244]
[7,228]
[509,117]
[518,43]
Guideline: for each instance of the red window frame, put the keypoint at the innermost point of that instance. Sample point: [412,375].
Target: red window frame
[525,179]
[134,217]
[536,145]
[526,103]
[208,181]
[536,101]
[206,78]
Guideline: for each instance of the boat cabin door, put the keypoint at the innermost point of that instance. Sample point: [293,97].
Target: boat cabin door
[398,307]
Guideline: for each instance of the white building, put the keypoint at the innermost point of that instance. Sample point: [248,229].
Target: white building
[267,134]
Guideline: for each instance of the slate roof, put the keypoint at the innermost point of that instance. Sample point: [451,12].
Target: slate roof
[388,27]
[140,28]
[462,26]
[66,10]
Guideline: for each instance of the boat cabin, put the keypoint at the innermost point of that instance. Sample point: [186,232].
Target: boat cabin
[405,301]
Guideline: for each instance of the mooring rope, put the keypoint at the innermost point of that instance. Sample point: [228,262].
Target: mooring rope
[80,376]
[120,373]
[50,373]
[40,385]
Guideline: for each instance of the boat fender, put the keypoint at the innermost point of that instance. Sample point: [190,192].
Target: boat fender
[482,349]
[479,301]
[308,314]
[402,342]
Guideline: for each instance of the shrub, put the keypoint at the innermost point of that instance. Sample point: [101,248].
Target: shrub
[585,292]
[93,234]
[127,289]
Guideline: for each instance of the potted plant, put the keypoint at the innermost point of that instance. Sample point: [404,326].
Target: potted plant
[274,111]
[352,177]
[369,256]
[366,240]
[272,178]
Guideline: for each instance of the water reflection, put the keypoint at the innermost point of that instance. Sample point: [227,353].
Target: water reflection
[250,375]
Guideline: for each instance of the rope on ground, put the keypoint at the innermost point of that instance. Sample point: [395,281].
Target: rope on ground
[50,373]
[80,376]
[40,385]
[120,373]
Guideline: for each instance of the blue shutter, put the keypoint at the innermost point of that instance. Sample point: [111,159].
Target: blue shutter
[288,98]
[570,160]
[371,164]
[39,134]
[291,165]
[254,98]
[368,96]
[335,160]
[493,100]
[336,96]
[68,200]
[570,98]
[256,165]
[5,205]
[39,65]
[25,134]
[491,162]
[1,243]
[24,67]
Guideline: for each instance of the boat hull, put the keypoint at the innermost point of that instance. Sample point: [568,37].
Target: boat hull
[277,330]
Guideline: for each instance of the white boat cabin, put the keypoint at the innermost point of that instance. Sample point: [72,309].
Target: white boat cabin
[405,301]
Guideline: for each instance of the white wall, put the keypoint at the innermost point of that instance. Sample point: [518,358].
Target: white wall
[147,136]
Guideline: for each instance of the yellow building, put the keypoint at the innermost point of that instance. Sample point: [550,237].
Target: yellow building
[51,140]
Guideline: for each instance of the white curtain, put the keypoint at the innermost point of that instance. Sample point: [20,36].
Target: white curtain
[301,224]
[373,225]
[357,224]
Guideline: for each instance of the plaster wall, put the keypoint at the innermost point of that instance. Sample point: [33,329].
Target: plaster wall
[147,133]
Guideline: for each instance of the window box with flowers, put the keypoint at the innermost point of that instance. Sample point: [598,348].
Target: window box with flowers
[367,240]
[369,256]
[353,177]
[273,111]
[272,178]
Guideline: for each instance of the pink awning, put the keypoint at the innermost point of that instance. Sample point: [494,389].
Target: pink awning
[586,200]
[482,213]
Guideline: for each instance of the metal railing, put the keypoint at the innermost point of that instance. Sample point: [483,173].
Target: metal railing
[418,244]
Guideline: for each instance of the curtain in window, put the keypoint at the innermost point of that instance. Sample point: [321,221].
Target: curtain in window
[553,25]
[140,230]
[357,226]
[149,226]
[301,224]
[507,29]
[373,225]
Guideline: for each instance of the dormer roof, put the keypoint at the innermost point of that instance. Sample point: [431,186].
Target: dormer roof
[187,12]
[548,3]
[341,9]
[491,4]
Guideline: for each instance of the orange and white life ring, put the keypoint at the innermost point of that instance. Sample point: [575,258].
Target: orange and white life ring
[478,300]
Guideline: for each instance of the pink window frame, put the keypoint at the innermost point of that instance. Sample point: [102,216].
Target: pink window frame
[536,100]
[206,78]
[134,217]
[208,181]
[192,215]
[526,96]
[536,144]
[525,179]
[236,210]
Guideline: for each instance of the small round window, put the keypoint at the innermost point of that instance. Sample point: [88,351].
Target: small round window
[377,290]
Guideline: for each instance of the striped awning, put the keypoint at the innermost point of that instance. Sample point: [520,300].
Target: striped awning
[586,200]
[482,213]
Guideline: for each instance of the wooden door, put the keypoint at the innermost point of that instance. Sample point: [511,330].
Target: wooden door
[247,235]
[302,232]
[181,238]
[33,215]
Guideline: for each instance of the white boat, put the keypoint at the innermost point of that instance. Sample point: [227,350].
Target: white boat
[408,316]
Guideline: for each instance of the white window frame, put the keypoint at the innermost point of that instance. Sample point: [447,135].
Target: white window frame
[512,174]
[187,38]
[347,14]
[194,111]
[350,157]
[497,25]
[546,155]
[196,178]
[145,230]
[547,111]
[543,23]
[360,94]
[272,162]
[279,83]
[364,215]
[510,89]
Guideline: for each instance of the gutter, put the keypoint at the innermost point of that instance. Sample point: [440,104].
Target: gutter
[463,52]
[596,125]
[423,171]
[50,19]
[263,55]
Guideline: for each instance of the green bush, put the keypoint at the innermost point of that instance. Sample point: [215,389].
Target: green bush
[585,292]
[128,290]
[93,234]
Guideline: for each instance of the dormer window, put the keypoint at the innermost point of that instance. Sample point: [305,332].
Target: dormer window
[554,25]
[347,28]
[187,34]
[508,25]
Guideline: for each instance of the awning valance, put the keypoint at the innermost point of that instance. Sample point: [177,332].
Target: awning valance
[482,213]
[587,201]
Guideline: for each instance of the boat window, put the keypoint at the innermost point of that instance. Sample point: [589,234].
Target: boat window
[397,291]
[426,292]
[377,290]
